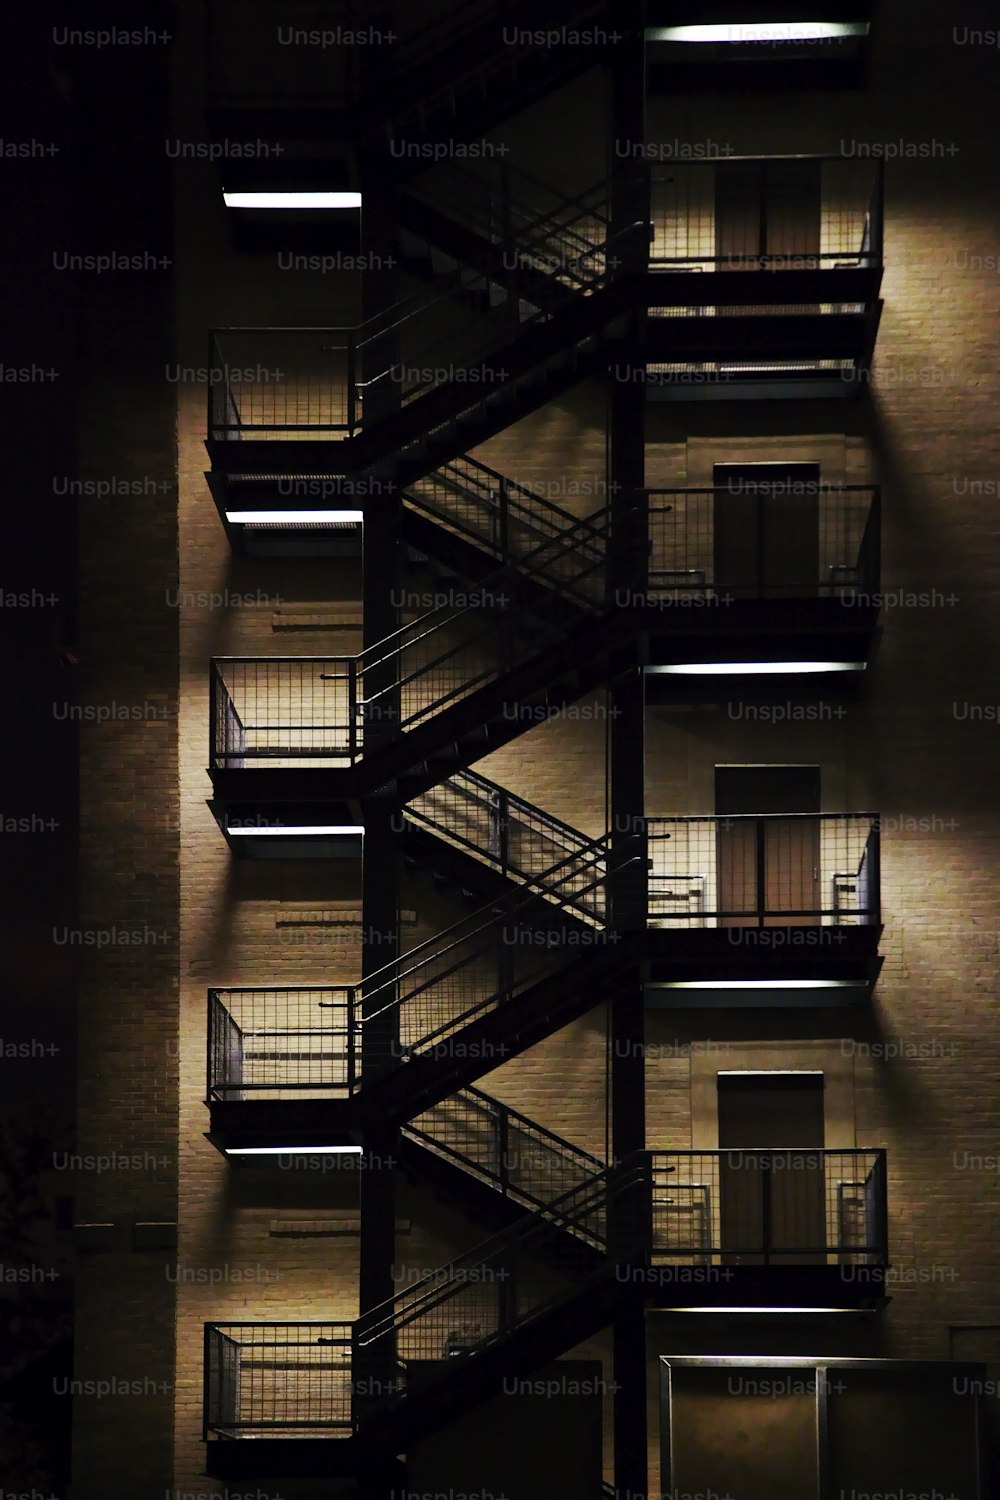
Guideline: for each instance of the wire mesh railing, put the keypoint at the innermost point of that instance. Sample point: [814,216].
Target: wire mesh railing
[516,1156]
[531,225]
[757,870]
[419,1003]
[770,1207]
[763,1206]
[309,1041]
[283,384]
[795,540]
[767,213]
[281,1042]
[512,522]
[284,711]
[277,1380]
[510,834]
[460,1310]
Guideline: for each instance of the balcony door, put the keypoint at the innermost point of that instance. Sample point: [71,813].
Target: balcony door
[767,868]
[771,1185]
[766,530]
[767,212]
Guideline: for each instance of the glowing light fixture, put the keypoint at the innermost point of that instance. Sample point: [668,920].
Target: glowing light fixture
[740,33]
[753,984]
[727,1310]
[294,1150]
[291,200]
[291,830]
[293,517]
[754,668]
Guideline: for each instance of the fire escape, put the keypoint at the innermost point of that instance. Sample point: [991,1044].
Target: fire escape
[528,291]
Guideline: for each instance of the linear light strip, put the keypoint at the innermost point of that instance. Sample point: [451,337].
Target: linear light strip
[742,33]
[291,200]
[292,517]
[722,1308]
[294,1150]
[292,831]
[753,668]
[753,984]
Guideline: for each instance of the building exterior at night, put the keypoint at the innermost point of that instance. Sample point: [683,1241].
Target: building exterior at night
[550,613]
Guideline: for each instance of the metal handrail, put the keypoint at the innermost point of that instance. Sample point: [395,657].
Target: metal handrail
[538,814]
[493,915]
[565,1213]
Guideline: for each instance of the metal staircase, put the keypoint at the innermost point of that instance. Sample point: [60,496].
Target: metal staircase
[528,298]
[454,684]
[441,1345]
[475,67]
[480,838]
[507,224]
[474,518]
[492,1162]
[491,985]
[417,385]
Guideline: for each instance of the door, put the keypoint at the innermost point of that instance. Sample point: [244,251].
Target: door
[772,1176]
[767,867]
[767,212]
[766,530]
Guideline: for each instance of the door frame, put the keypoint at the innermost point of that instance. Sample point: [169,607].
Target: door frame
[834,1059]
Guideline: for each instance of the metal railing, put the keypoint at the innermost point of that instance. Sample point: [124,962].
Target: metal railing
[764,1206]
[507,832]
[446,655]
[460,1310]
[511,1153]
[513,523]
[531,225]
[419,1003]
[831,219]
[757,870]
[284,1041]
[282,384]
[277,1379]
[284,711]
[791,541]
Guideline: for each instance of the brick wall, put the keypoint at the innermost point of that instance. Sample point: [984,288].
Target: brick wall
[127,1031]
[902,748]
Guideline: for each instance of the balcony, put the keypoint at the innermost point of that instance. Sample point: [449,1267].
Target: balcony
[765,275]
[286,1381]
[763,573]
[772,909]
[279,727]
[281,1054]
[770,1229]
